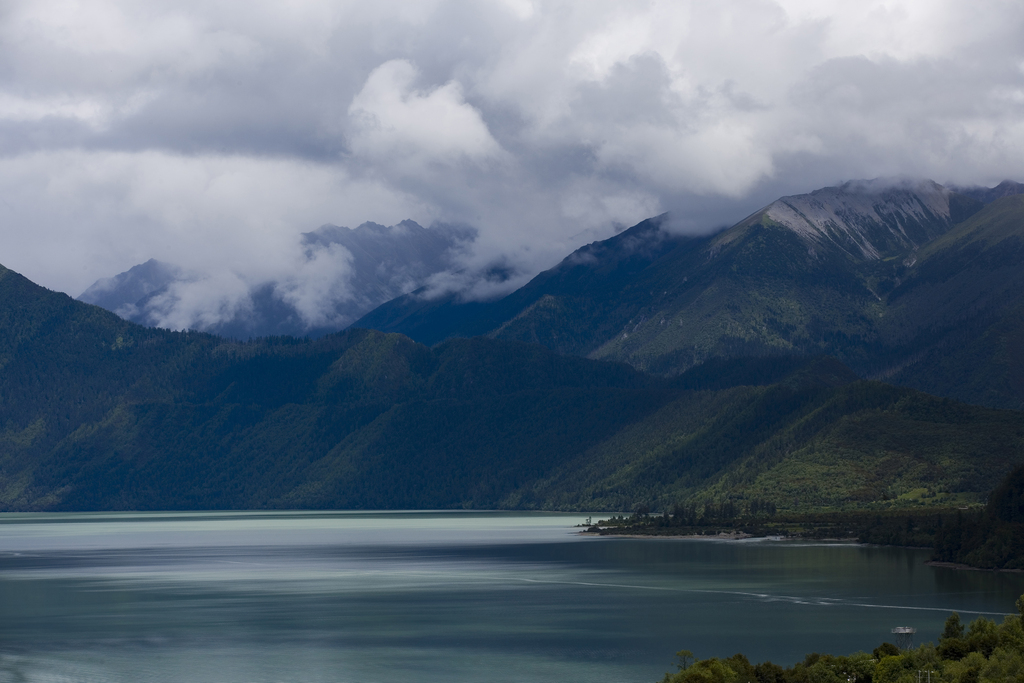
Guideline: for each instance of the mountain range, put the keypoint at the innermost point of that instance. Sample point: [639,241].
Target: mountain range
[650,368]
[377,264]
[910,282]
[99,413]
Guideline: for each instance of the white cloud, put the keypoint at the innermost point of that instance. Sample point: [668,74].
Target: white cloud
[69,216]
[90,111]
[200,303]
[208,137]
[316,283]
[395,123]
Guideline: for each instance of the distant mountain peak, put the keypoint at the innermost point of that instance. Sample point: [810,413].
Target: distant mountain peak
[122,293]
[371,264]
[867,218]
[644,240]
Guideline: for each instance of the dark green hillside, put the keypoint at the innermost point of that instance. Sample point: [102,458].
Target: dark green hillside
[817,439]
[992,538]
[64,364]
[569,308]
[764,287]
[98,413]
[761,292]
[774,283]
[959,313]
[667,308]
[372,421]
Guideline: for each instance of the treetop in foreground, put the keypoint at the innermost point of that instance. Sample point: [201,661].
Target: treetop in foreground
[983,652]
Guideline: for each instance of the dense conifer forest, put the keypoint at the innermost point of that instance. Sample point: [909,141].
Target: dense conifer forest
[989,537]
[99,413]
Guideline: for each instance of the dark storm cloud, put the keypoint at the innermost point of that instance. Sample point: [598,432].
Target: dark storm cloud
[212,138]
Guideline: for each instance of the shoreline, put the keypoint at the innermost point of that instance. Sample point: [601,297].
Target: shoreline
[967,567]
[740,536]
[722,536]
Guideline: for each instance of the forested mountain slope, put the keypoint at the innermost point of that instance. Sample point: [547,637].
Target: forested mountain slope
[818,439]
[887,278]
[99,413]
[567,308]
[955,319]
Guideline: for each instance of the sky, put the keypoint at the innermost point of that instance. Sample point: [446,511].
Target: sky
[212,134]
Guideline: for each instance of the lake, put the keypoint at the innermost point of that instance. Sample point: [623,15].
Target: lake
[438,596]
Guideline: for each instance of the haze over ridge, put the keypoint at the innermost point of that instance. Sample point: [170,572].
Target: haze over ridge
[212,139]
[344,274]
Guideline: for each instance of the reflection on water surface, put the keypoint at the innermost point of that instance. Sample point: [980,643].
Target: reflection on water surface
[456,596]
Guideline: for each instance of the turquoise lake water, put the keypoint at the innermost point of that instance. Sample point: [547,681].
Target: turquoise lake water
[452,596]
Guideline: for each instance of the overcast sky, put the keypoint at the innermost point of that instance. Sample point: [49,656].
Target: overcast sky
[211,134]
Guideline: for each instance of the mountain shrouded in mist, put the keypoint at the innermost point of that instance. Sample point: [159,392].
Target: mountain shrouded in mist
[343,273]
[676,359]
[887,276]
[209,138]
[907,280]
[99,413]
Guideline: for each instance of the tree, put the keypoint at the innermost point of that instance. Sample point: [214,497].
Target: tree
[954,629]
[686,658]
[885,650]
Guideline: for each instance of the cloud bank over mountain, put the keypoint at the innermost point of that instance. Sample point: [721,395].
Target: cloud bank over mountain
[341,275]
[213,138]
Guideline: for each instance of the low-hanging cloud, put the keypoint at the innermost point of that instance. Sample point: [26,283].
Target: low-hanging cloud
[317,284]
[212,138]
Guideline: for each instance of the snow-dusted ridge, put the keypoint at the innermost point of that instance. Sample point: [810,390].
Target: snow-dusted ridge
[867,218]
